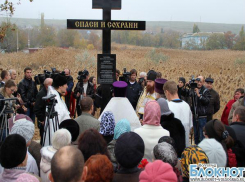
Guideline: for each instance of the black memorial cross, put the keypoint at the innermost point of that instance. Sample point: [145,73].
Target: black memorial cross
[107,6]
[106,24]
[106,62]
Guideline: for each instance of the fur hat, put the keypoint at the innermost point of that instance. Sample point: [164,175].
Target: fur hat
[129,150]
[13,151]
[151,75]
[59,80]
[166,152]
[72,126]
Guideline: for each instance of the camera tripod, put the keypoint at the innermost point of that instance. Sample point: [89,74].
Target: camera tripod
[7,110]
[51,116]
[193,96]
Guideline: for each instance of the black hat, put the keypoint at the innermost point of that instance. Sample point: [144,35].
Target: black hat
[59,80]
[120,88]
[209,80]
[182,79]
[72,126]
[13,151]
[151,75]
[129,149]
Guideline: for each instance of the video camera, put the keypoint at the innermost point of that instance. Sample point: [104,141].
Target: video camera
[8,105]
[39,79]
[125,76]
[192,83]
[82,75]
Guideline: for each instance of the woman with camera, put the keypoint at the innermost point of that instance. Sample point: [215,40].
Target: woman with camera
[6,92]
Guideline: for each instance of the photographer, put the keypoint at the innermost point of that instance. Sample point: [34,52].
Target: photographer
[28,92]
[203,98]
[133,89]
[6,93]
[70,85]
[40,106]
[82,89]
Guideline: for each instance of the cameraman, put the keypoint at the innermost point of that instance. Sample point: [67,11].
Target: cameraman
[40,106]
[82,89]
[203,98]
[6,92]
[70,85]
[28,91]
[133,89]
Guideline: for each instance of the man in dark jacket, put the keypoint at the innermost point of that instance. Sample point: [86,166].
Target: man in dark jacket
[70,85]
[134,89]
[28,91]
[40,106]
[238,123]
[82,89]
[203,99]
[214,104]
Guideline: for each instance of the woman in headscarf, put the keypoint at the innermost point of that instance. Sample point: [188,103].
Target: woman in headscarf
[151,131]
[192,155]
[107,125]
[216,129]
[166,152]
[121,127]
[173,125]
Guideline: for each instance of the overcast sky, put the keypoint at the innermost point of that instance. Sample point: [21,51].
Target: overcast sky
[213,11]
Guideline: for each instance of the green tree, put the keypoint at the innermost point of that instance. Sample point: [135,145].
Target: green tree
[9,42]
[195,29]
[66,38]
[240,42]
[216,41]
[9,8]
[47,36]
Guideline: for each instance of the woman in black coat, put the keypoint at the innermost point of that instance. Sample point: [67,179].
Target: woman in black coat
[173,125]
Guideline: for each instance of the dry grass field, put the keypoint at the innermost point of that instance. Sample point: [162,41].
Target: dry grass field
[219,64]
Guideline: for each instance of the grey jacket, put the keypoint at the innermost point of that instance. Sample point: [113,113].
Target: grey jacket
[87,121]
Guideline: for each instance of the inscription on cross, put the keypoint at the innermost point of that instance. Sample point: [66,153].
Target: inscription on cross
[106,62]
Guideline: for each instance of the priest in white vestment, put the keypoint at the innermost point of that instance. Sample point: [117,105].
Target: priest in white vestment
[58,89]
[148,94]
[120,106]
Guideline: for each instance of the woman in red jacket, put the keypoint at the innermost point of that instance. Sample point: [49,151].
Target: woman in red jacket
[238,94]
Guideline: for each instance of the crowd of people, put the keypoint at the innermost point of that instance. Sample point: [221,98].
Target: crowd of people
[144,131]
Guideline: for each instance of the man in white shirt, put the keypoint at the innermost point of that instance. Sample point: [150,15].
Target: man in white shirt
[179,107]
